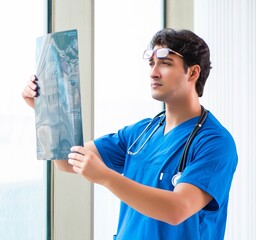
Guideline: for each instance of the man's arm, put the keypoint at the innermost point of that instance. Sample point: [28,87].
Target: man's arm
[171,207]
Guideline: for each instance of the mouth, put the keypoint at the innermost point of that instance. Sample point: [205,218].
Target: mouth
[156,84]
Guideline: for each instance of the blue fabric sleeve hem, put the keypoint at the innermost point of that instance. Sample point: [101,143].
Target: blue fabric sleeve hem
[103,154]
[212,206]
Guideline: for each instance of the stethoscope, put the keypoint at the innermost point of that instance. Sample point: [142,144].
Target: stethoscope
[182,163]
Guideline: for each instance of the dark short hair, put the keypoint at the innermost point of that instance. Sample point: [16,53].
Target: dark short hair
[193,48]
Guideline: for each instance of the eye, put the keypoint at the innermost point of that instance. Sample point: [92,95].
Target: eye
[151,63]
[166,63]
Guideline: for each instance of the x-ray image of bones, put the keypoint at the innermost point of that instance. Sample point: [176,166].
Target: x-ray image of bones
[58,106]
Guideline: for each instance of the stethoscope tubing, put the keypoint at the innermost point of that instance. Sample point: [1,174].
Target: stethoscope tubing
[191,137]
[183,159]
[146,128]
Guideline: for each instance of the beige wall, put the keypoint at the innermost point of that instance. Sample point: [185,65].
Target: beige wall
[180,14]
[73,198]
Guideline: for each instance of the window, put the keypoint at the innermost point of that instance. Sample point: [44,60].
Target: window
[122,83]
[22,177]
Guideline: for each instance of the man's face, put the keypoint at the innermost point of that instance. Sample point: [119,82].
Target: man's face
[169,81]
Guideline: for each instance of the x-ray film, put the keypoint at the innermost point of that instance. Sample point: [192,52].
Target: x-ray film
[58,104]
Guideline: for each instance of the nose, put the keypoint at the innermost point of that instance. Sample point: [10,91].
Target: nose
[154,72]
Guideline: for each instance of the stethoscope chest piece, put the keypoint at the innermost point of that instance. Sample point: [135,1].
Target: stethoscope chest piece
[176,178]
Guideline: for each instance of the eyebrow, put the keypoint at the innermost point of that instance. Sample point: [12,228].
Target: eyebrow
[165,58]
[171,59]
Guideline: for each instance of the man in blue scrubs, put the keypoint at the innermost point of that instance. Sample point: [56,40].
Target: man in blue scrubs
[139,169]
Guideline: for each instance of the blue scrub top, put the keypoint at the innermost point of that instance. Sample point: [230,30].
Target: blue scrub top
[211,163]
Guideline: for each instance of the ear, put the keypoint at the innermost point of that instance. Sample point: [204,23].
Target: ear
[194,72]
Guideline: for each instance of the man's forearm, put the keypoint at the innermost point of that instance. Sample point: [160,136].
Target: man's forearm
[63,165]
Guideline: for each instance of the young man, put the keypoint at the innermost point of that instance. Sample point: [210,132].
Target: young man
[139,164]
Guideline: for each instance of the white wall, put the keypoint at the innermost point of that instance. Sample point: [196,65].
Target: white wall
[229,27]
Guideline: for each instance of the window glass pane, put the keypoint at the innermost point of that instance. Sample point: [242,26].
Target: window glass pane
[122,83]
[22,177]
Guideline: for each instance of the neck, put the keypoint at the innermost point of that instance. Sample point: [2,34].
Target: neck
[176,115]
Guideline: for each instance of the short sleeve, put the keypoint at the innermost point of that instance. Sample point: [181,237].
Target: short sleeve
[113,147]
[211,165]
